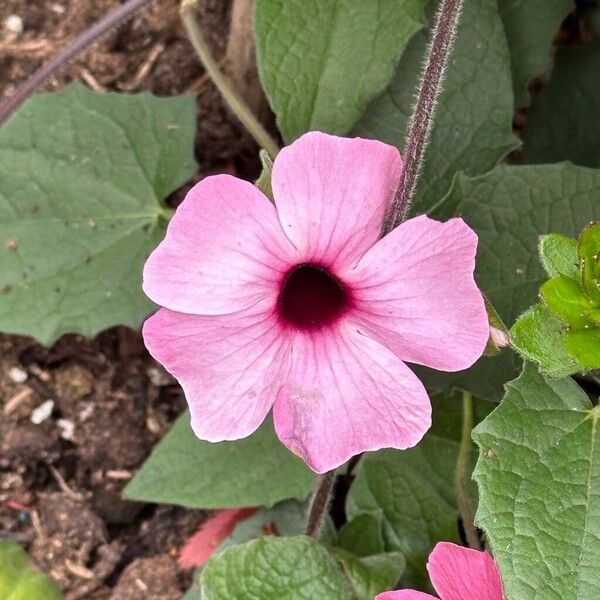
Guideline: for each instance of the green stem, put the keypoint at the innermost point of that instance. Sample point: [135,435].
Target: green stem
[319,503]
[464,454]
[237,105]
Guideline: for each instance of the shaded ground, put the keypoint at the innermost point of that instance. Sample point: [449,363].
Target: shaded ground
[104,403]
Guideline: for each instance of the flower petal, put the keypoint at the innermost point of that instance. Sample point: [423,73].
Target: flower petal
[223,251]
[458,573]
[416,294]
[331,194]
[202,544]
[406,595]
[346,394]
[228,366]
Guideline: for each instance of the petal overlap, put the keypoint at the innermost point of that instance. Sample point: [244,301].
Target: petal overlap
[224,250]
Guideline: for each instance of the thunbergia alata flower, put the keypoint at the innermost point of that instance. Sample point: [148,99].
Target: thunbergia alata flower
[298,307]
[456,573]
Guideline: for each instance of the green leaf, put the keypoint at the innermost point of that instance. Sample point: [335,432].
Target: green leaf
[362,535]
[563,123]
[539,489]
[565,298]
[521,203]
[588,250]
[284,519]
[19,580]
[530,27]
[274,568]
[321,63]
[472,128]
[539,336]
[371,575]
[558,254]
[414,490]
[584,346]
[263,183]
[255,471]
[82,179]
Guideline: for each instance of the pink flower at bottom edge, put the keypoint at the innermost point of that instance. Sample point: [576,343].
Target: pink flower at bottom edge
[299,306]
[456,573]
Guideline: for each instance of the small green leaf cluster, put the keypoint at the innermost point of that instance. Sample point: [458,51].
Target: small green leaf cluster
[562,332]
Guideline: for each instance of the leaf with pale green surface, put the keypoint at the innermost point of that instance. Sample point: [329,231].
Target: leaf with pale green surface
[540,491]
[588,251]
[539,336]
[509,208]
[414,490]
[19,579]
[558,254]
[563,122]
[263,183]
[255,471]
[472,128]
[565,298]
[321,63]
[530,28]
[82,180]
[584,346]
[274,568]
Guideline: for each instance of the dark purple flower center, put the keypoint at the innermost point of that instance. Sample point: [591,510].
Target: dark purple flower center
[311,297]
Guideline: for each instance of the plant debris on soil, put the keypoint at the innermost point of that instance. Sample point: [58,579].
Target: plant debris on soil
[77,419]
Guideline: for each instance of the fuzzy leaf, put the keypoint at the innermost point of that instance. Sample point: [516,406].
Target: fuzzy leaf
[584,346]
[19,580]
[82,180]
[274,568]
[565,298]
[539,336]
[472,128]
[321,63]
[263,183]
[255,471]
[539,489]
[588,250]
[558,254]
[530,27]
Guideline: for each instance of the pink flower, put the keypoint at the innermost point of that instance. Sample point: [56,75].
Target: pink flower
[298,307]
[456,573]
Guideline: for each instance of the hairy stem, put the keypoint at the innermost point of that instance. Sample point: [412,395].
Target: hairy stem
[320,503]
[236,104]
[464,453]
[81,42]
[420,123]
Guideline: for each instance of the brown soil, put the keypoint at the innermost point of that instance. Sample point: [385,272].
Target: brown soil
[60,480]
